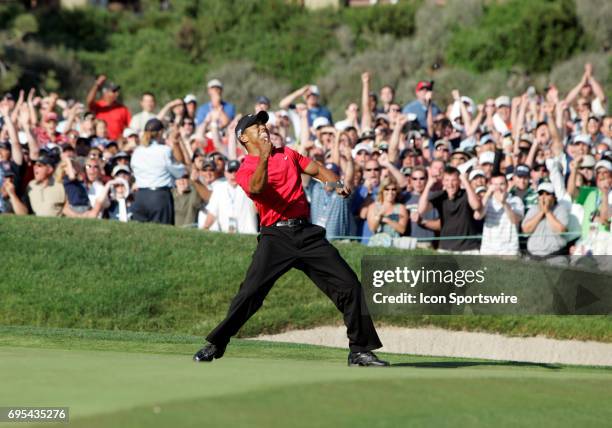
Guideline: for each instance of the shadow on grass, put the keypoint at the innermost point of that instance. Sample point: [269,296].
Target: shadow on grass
[459,364]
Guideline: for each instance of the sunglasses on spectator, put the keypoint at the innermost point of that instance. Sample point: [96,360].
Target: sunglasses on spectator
[372,169]
[418,178]
[395,109]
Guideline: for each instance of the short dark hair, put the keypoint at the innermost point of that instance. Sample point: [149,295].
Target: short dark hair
[390,87]
[499,174]
[144,94]
[451,170]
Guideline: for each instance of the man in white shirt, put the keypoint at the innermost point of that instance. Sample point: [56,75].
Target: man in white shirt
[502,213]
[230,210]
[139,120]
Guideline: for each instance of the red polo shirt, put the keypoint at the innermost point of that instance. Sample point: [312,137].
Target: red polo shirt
[282,196]
[116,116]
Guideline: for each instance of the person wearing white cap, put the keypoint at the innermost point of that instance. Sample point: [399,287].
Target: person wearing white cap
[191,104]
[545,222]
[501,118]
[224,111]
[139,120]
[311,96]
[502,213]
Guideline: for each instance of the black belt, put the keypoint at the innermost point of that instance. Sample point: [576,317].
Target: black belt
[292,222]
[155,188]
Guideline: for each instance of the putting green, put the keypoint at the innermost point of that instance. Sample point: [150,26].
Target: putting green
[155,384]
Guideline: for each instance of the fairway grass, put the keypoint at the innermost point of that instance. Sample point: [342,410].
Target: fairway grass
[125,379]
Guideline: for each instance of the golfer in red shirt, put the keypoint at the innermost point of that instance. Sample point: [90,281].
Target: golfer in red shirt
[271,177]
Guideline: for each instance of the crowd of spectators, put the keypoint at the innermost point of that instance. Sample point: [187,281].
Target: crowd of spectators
[530,174]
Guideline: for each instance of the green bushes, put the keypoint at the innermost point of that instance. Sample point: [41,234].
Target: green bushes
[519,32]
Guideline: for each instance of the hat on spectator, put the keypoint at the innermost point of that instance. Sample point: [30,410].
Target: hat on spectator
[367,136]
[546,186]
[502,101]
[486,139]
[604,164]
[214,83]
[333,168]
[111,86]
[410,152]
[406,170]
[382,116]
[320,122]
[527,138]
[414,134]
[461,152]
[121,155]
[442,143]
[509,172]
[8,96]
[5,145]
[283,113]
[110,143]
[486,157]
[605,155]
[467,144]
[51,116]
[45,159]
[232,166]
[262,99]
[582,138]
[480,189]
[314,90]
[8,173]
[250,120]
[190,98]
[154,125]
[588,161]
[121,168]
[128,132]
[209,163]
[361,146]
[522,170]
[423,84]
[476,173]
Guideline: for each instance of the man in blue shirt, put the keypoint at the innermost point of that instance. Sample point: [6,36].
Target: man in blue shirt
[227,111]
[311,95]
[424,92]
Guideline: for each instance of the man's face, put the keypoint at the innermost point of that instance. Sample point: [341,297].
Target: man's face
[326,136]
[520,183]
[583,106]
[546,197]
[215,92]
[188,127]
[182,185]
[421,94]
[5,154]
[50,126]
[499,184]
[487,168]
[606,127]
[256,134]
[372,172]
[478,181]
[209,175]
[147,103]
[42,172]
[602,177]
[110,96]
[312,100]
[542,135]
[418,180]
[436,168]
[587,173]
[386,95]
[92,169]
[230,176]
[450,183]
[537,173]
[261,107]
[442,153]
[352,111]
[593,126]
[504,113]
[362,157]
[457,159]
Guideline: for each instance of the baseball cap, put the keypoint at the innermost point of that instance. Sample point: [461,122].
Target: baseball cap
[214,83]
[263,100]
[546,186]
[407,170]
[382,116]
[128,132]
[467,144]
[320,122]
[486,139]
[582,138]
[476,173]
[111,86]
[154,125]
[5,145]
[588,161]
[209,163]
[250,120]
[361,146]
[232,166]
[441,143]
[423,84]
[333,168]
[190,98]
[502,101]
[480,189]
[8,96]
[522,170]
[121,155]
[604,164]
[45,159]
[486,157]
[50,116]
[314,90]
[121,168]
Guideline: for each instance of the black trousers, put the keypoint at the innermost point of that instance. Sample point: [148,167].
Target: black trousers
[303,247]
[156,206]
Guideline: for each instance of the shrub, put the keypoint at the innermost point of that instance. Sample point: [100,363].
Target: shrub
[596,18]
[519,32]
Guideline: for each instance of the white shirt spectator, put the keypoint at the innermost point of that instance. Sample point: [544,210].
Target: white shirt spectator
[154,166]
[233,209]
[139,120]
[499,234]
[93,192]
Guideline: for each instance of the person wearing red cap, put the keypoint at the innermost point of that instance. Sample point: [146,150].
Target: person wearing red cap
[272,178]
[419,107]
[47,133]
[107,108]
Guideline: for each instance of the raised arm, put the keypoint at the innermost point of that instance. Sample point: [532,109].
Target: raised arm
[93,91]
[366,113]
[16,152]
[597,89]
[473,198]
[289,99]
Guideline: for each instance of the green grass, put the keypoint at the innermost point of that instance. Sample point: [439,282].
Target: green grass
[142,277]
[127,379]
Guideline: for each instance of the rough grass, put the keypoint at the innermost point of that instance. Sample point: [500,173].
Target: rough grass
[139,277]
